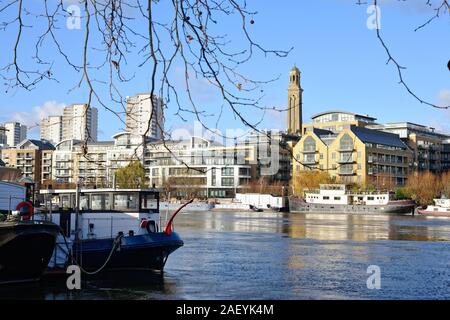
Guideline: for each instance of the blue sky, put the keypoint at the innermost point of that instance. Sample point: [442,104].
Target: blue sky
[343,66]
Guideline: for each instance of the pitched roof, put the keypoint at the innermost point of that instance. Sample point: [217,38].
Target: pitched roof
[378,137]
[40,144]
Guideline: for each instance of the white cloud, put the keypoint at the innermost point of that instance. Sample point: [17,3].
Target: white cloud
[33,118]
[444,98]
[441,122]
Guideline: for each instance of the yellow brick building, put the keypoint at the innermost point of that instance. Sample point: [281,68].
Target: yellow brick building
[353,154]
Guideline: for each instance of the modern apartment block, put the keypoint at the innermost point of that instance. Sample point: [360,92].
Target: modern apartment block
[79,122]
[273,154]
[93,164]
[140,108]
[52,129]
[2,137]
[196,164]
[354,155]
[429,147]
[31,157]
[15,133]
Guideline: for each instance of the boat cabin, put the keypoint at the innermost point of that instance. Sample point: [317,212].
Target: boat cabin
[102,213]
[443,203]
[339,194]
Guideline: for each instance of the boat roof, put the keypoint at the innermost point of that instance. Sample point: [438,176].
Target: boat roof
[104,190]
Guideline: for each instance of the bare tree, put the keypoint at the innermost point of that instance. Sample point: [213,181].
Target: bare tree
[166,39]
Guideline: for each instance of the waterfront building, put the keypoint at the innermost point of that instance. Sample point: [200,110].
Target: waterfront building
[430,148]
[3,141]
[445,155]
[354,155]
[15,133]
[28,157]
[80,122]
[93,164]
[295,104]
[338,120]
[140,108]
[201,167]
[273,152]
[126,147]
[52,129]
[77,161]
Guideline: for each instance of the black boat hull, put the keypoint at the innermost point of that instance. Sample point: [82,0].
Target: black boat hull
[141,252]
[25,250]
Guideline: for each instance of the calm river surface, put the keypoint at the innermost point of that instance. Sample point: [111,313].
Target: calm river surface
[240,255]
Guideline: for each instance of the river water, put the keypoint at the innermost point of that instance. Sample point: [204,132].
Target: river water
[249,255]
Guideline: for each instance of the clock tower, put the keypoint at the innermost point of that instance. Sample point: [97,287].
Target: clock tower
[294,102]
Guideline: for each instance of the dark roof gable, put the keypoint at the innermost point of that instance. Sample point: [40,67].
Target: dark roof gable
[378,137]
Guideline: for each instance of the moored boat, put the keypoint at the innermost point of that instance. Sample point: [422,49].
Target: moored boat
[25,249]
[441,207]
[26,244]
[336,198]
[112,229]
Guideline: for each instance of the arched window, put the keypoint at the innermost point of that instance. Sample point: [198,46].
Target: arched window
[346,143]
[309,144]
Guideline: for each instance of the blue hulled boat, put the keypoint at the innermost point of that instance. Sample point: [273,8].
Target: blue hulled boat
[109,229]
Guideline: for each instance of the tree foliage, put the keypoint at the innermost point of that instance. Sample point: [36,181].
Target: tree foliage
[131,176]
[263,186]
[309,180]
[423,187]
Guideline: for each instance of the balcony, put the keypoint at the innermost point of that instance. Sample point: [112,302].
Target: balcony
[310,162]
[350,160]
[310,151]
[345,172]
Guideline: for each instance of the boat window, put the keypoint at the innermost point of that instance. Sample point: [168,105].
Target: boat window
[84,202]
[100,202]
[65,201]
[125,202]
[370,198]
[326,198]
[337,198]
[149,201]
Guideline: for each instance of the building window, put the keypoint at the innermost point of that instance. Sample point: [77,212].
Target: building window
[346,143]
[227,171]
[213,176]
[244,171]
[309,145]
[309,158]
[228,182]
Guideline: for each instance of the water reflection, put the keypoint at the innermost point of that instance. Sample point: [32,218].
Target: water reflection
[270,255]
[324,226]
